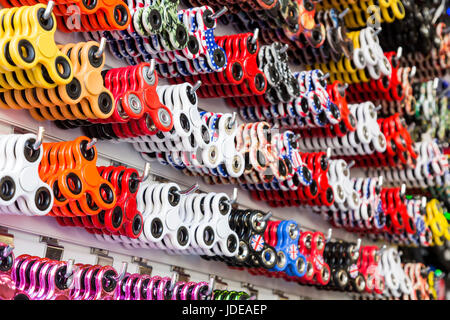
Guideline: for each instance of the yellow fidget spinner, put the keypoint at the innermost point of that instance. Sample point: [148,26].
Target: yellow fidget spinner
[29,56]
[362,11]
[437,222]
[431,285]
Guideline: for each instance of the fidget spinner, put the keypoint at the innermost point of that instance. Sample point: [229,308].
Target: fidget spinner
[123,219]
[365,140]
[22,191]
[36,278]
[284,237]
[360,14]
[179,222]
[430,166]
[143,287]
[155,32]
[282,87]
[200,143]
[312,246]
[420,290]
[202,54]
[397,283]
[367,62]
[342,257]
[30,58]
[241,76]
[69,168]
[83,97]
[253,251]
[369,267]
[82,16]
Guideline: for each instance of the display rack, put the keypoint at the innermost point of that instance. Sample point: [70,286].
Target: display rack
[78,243]
[29,233]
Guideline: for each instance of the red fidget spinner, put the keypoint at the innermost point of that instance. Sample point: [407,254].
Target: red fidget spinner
[138,110]
[399,146]
[368,266]
[241,77]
